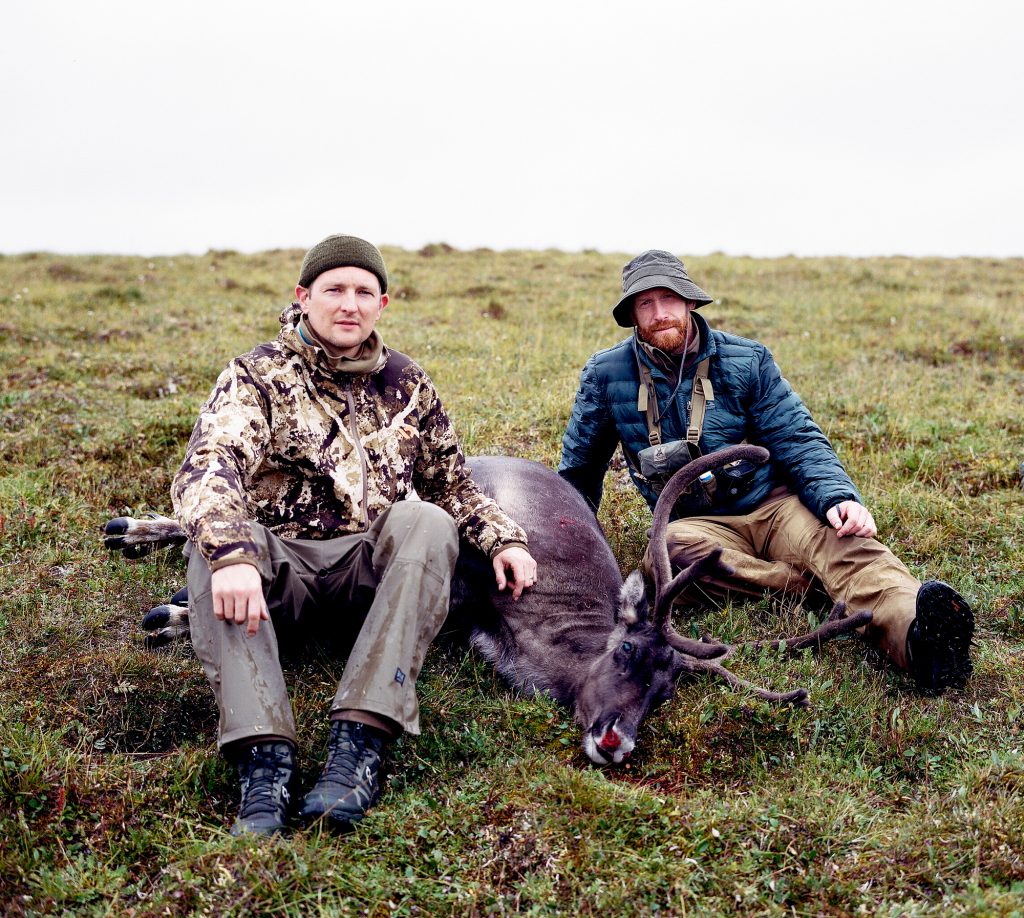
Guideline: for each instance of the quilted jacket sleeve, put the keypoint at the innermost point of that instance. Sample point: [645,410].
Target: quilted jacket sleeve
[227,443]
[590,438]
[801,453]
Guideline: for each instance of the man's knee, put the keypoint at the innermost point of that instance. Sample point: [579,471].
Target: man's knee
[688,543]
[421,513]
[426,524]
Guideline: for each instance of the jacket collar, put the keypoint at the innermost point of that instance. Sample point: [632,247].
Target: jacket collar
[298,337]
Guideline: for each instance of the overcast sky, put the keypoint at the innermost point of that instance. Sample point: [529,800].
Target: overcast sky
[749,127]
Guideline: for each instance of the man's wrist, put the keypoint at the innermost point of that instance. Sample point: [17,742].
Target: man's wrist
[498,549]
[222,563]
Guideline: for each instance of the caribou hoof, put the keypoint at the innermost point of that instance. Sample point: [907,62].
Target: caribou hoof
[166,624]
[157,617]
[119,525]
[115,538]
[159,639]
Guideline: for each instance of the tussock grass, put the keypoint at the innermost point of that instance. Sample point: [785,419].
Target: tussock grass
[874,801]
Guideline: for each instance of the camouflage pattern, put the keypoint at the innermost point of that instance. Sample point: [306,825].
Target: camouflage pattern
[292,440]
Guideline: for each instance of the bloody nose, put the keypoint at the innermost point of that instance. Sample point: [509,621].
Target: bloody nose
[610,740]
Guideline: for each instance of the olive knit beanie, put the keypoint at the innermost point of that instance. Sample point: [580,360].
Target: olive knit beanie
[343,252]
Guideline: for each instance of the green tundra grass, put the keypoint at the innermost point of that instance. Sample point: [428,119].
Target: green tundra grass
[874,800]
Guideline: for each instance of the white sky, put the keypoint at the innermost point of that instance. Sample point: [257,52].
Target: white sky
[750,127]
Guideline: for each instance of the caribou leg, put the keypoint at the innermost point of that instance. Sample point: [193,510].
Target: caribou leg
[136,538]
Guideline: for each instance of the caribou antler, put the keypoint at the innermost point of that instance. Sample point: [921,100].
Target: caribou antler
[838,623]
[708,655]
[796,696]
[667,588]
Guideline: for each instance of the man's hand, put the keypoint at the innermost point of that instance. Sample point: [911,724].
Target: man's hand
[851,518]
[238,596]
[522,567]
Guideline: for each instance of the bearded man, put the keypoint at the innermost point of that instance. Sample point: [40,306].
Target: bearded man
[677,389]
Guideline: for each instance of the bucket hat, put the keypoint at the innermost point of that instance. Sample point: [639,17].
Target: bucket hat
[650,269]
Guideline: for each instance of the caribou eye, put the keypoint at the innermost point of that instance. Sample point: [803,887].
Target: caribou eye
[627,646]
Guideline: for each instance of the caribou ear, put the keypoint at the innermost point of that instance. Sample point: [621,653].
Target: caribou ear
[632,600]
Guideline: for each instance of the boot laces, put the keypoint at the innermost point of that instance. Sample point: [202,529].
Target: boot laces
[351,756]
[266,778]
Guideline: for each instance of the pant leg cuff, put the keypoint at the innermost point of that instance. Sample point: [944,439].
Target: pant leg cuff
[408,724]
[238,734]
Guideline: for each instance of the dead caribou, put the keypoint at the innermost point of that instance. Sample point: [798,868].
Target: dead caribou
[581,635]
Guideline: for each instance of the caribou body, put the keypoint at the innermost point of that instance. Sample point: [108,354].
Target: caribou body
[581,634]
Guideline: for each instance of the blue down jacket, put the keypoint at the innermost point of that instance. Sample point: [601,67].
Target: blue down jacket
[752,402]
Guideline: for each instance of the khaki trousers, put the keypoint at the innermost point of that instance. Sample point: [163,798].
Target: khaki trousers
[781,545]
[383,592]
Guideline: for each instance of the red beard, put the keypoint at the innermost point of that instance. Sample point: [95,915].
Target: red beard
[669,337]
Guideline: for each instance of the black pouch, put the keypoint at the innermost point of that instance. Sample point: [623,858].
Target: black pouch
[659,463]
[735,479]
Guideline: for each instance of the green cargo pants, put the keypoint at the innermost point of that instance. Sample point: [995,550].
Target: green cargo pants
[781,545]
[385,589]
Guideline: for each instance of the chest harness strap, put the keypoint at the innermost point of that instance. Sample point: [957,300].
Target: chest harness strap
[647,404]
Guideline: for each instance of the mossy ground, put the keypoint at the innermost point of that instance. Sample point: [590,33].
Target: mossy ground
[874,801]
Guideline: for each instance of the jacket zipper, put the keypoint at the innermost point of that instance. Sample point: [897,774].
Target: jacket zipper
[364,521]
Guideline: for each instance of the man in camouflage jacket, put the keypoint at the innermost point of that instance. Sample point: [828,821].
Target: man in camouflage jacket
[298,496]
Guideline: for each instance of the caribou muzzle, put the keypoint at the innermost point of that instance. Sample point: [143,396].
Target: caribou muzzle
[605,743]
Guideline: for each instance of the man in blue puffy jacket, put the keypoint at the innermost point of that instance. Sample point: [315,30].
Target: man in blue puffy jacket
[677,389]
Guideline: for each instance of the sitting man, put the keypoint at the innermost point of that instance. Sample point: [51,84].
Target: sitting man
[297,495]
[678,388]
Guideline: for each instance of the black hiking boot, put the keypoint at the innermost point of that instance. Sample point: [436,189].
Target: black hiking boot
[266,770]
[939,640]
[348,785]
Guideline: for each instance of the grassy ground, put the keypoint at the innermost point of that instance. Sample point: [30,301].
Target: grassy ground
[874,801]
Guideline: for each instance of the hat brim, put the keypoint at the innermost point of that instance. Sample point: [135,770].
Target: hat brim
[623,310]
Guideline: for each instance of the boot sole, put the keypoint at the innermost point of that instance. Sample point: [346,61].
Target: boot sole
[945,626]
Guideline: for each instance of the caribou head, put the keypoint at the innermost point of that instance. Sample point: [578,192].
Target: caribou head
[635,672]
[645,655]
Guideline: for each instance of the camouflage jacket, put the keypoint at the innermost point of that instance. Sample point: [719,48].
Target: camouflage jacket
[289,440]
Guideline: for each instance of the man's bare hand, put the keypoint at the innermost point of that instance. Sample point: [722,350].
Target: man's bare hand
[851,518]
[523,569]
[238,596]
